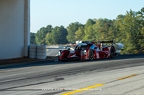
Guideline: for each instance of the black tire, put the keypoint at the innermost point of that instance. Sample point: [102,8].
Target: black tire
[81,53]
[112,52]
[116,54]
[91,55]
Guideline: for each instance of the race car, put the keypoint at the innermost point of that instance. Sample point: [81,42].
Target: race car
[89,51]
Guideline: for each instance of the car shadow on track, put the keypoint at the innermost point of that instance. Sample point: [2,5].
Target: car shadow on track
[53,62]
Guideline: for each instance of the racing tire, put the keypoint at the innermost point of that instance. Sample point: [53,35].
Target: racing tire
[81,53]
[112,52]
[91,55]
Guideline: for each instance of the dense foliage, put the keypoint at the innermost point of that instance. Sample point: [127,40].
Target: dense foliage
[127,29]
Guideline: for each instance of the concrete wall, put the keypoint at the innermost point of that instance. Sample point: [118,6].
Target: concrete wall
[14,30]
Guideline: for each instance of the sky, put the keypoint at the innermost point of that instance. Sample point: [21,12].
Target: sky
[64,12]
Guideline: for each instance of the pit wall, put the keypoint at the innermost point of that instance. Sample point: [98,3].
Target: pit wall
[14,28]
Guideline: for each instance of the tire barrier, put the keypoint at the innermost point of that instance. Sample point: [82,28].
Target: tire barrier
[32,51]
[41,52]
[37,51]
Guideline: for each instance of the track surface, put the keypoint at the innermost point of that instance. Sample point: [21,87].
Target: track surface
[123,75]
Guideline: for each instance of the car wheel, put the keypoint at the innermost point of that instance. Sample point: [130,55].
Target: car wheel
[91,55]
[81,57]
[112,52]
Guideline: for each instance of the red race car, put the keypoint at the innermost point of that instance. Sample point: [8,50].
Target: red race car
[89,51]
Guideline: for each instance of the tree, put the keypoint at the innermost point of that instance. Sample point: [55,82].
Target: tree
[58,35]
[79,34]
[140,20]
[32,38]
[41,34]
[119,35]
[49,28]
[129,32]
[89,31]
[49,39]
[101,28]
[71,29]
[127,29]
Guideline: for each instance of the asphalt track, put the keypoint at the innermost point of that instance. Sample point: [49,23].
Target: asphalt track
[52,52]
[98,77]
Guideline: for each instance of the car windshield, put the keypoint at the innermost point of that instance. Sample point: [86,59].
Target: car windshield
[79,47]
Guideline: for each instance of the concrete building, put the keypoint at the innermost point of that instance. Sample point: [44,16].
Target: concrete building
[14,28]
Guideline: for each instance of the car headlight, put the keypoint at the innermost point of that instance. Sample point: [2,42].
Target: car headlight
[59,53]
[84,51]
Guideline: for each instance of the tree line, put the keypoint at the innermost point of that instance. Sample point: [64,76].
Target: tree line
[127,29]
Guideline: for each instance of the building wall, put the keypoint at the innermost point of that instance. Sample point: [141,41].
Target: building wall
[12,29]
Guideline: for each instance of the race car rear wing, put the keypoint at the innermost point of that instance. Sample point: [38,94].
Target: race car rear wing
[110,41]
